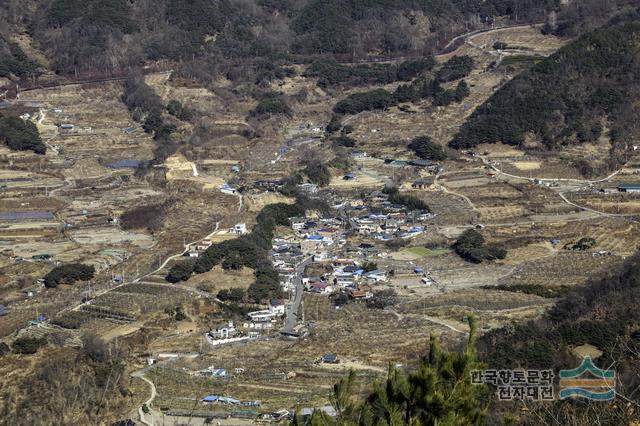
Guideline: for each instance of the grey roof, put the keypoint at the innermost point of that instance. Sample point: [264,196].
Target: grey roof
[25,215]
[125,164]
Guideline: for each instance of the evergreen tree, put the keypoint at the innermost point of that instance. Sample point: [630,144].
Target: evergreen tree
[438,392]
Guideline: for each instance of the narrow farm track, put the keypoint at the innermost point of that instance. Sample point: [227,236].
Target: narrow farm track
[562,194]
[139,279]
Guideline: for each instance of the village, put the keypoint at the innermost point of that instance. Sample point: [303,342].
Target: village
[363,282]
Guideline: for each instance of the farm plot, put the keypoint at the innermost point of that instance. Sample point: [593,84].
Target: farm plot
[447,208]
[364,339]
[110,236]
[619,203]
[618,235]
[450,272]
[123,305]
[99,118]
[478,300]
[543,169]
[564,269]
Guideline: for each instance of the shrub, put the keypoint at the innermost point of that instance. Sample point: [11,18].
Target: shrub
[471,247]
[179,314]
[28,345]
[231,294]
[317,172]
[271,105]
[382,299]
[334,124]
[455,68]
[179,111]
[345,141]
[370,266]
[68,274]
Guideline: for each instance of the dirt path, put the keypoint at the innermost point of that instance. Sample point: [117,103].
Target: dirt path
[531,179]
[167,260]
[185,248]
[448,191]
[444,324]
[598,212]
[561,194]
[140,375]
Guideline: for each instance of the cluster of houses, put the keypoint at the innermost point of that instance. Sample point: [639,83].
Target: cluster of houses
[197,248]
[325,241]
[346,274]
[256,323]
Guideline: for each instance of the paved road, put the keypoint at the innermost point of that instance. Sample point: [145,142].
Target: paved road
[294,307]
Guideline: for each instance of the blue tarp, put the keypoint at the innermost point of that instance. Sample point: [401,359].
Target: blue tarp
[210,398]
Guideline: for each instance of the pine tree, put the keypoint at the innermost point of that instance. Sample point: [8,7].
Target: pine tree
[439,392]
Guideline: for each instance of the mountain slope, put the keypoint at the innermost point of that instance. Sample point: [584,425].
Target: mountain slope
[569,97]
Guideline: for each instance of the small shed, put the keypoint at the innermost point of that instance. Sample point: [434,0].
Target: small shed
[629,187]
[349,176]
[330,358]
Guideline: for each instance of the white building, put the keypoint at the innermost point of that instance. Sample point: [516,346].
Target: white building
[277,307]
[239,228]
[224,332]
[367,226]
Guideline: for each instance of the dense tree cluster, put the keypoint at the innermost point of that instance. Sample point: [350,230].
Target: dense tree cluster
[317,172]
[406,200]
[207,39]
[426,149]
[271,104]
[146,106]
[20,135]
[330,72]
[455,68]
[603,314]
[380,99]
[249,250]
[14,62]
[565,98]
[471,247]
[68,274]
[235,294]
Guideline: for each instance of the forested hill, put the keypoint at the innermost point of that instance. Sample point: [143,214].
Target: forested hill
[84,36]
[571,97]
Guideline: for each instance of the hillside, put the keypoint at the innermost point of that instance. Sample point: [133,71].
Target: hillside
[600,317]
[92,36]
[572,97]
